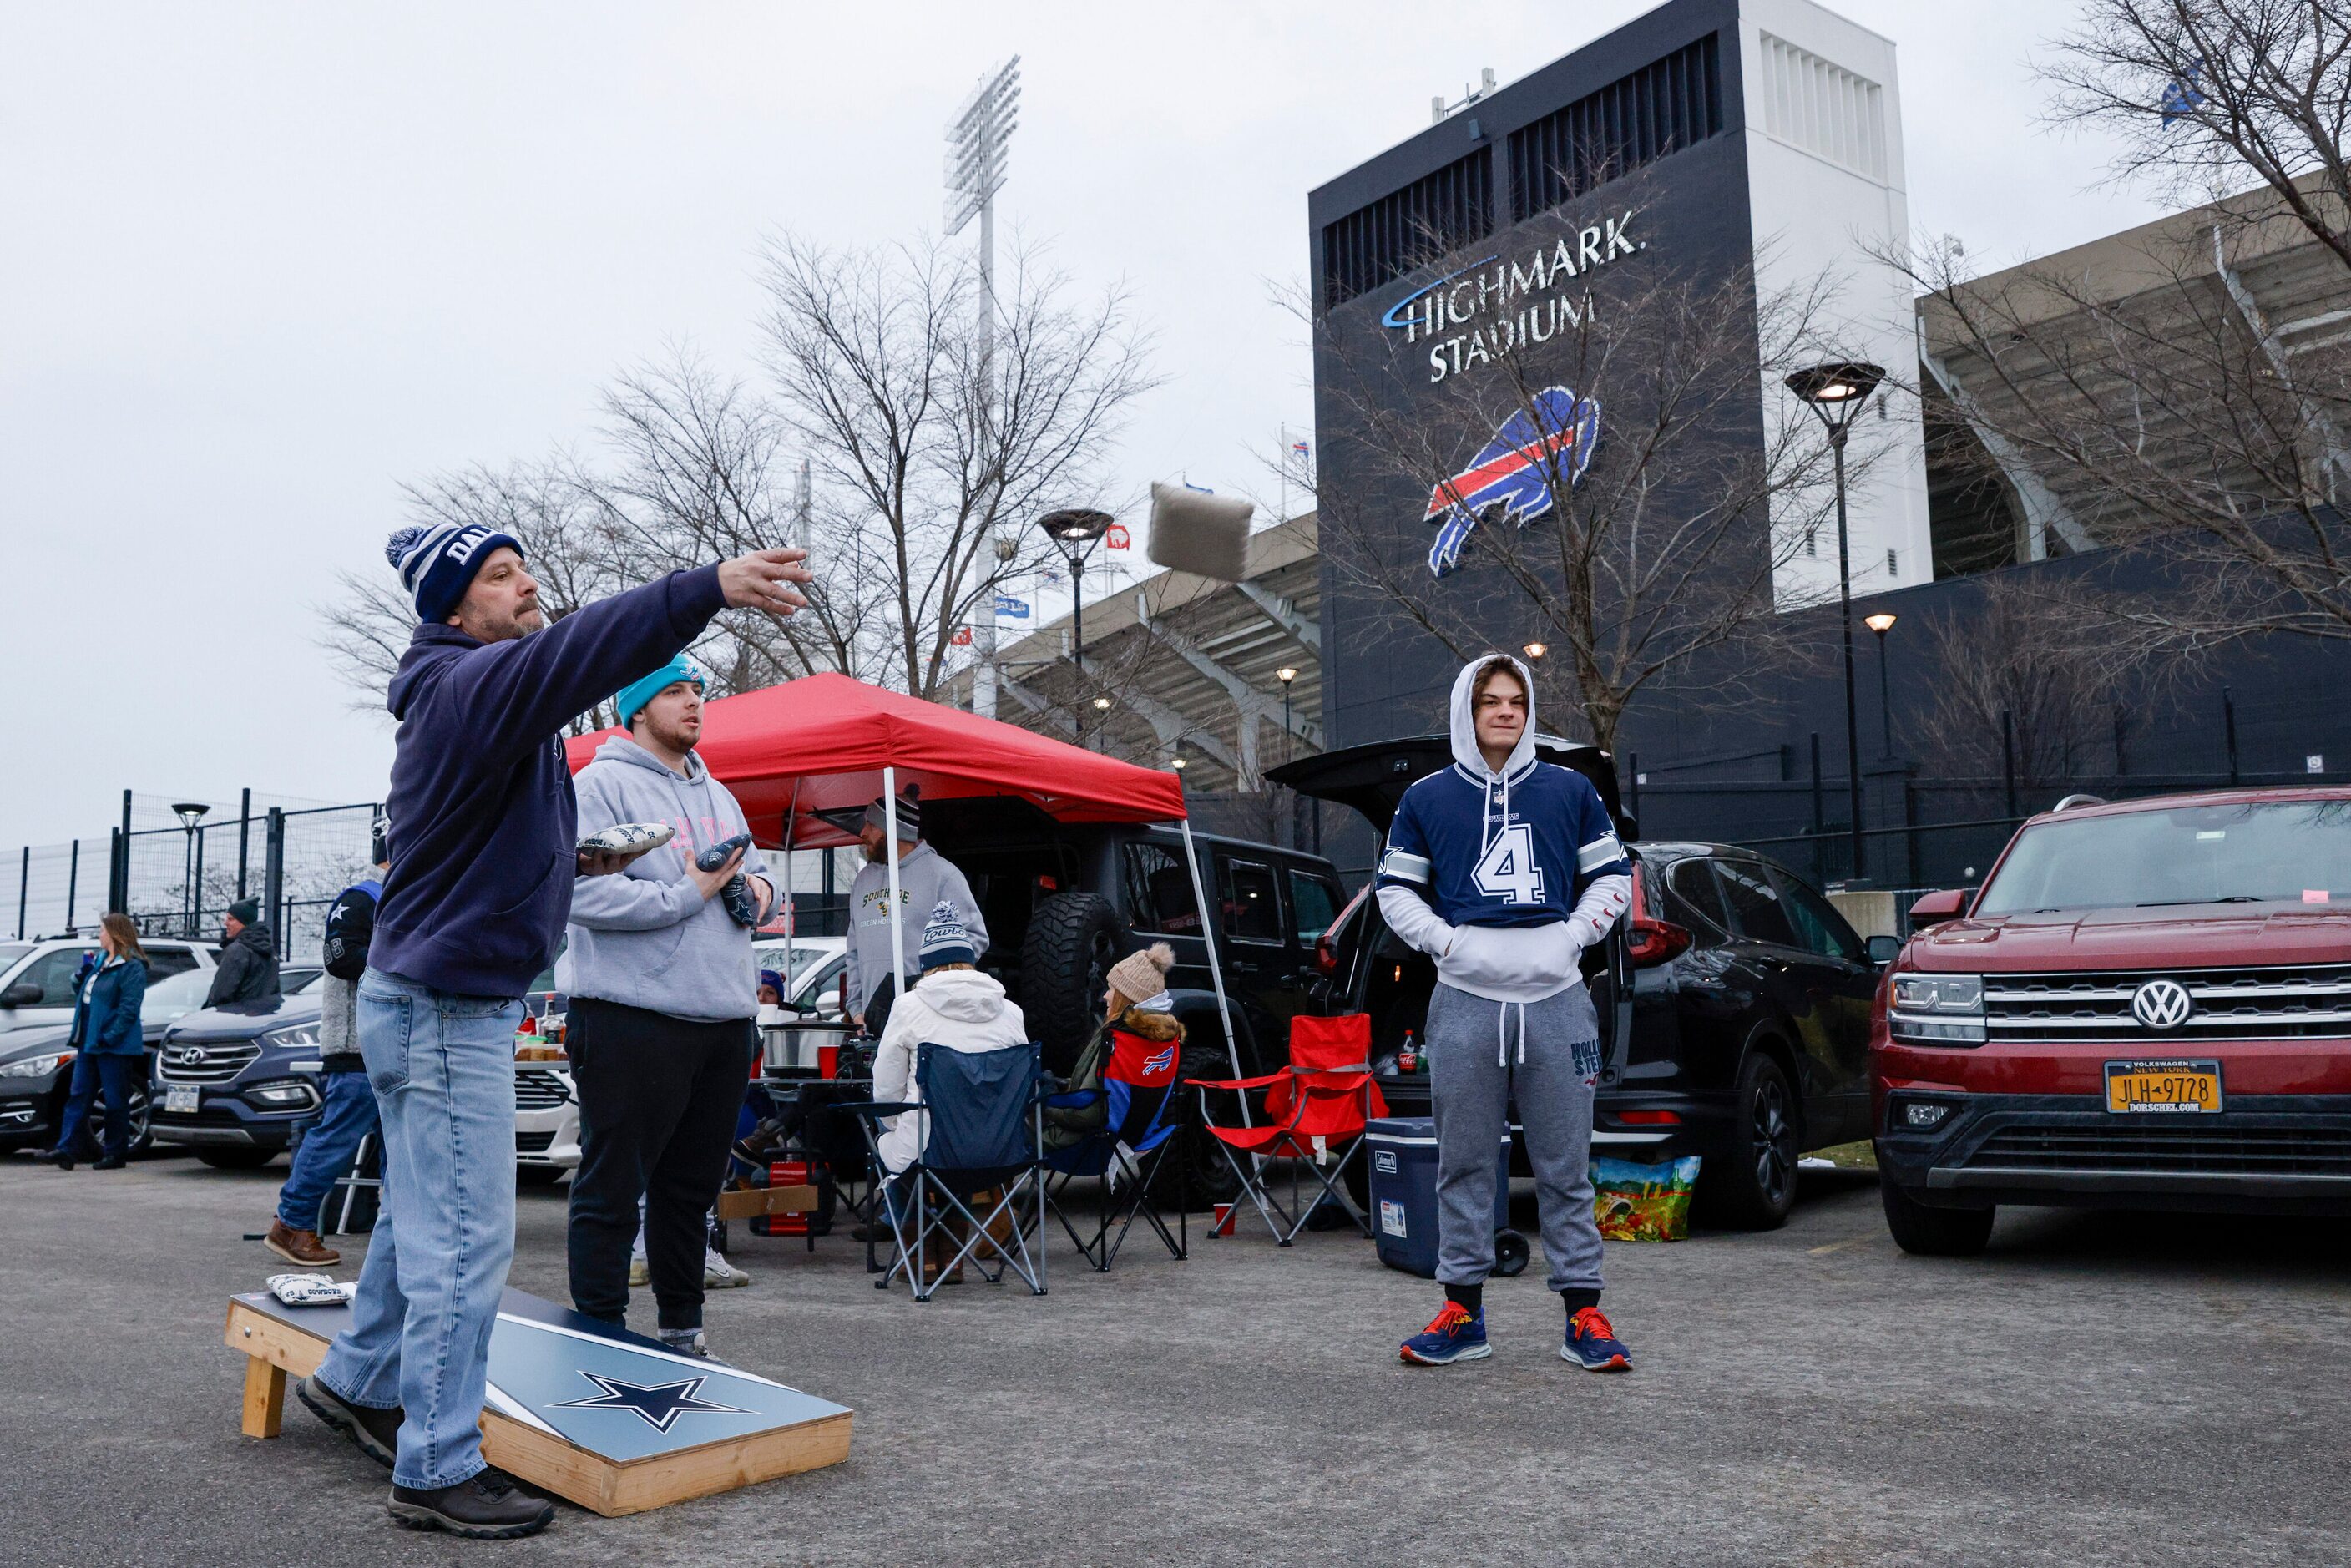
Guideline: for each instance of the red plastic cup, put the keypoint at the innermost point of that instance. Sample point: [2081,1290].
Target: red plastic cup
[828,1061]
[1223,1223]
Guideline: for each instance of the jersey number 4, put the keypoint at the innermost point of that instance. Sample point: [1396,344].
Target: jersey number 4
[1507,870]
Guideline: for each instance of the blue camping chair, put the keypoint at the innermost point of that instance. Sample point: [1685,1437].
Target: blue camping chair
[983,1128]
[1126,1194]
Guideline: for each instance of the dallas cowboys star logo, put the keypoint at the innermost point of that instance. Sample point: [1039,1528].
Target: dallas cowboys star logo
[658,1405]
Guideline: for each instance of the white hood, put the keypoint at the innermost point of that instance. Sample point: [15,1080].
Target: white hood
[1464,722]
[961,996]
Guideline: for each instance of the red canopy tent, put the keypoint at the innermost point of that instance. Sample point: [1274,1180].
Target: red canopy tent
[828,744]
[822,743]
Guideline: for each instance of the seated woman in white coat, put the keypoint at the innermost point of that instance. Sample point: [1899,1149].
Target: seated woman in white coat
[954,1007]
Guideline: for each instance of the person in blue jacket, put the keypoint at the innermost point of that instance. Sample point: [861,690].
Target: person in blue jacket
[485,849]
[1504,869]
[113,1051]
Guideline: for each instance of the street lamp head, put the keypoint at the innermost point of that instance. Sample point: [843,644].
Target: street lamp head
[1536,650]
[1881,622]
[1076,526]
[1177,764]
[1101,704]
[190,812]
[1285,674]
[1836,389]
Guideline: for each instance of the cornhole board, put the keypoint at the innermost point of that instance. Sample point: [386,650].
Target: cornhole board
[611,1420]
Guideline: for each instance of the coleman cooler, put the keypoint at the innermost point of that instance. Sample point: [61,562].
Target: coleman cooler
[1403,1155]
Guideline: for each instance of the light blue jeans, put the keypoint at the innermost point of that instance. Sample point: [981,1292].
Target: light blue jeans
[442,1069]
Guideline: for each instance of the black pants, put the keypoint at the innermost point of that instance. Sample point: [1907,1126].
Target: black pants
[658,1099]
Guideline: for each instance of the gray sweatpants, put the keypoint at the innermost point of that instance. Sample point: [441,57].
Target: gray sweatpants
[1479,1052]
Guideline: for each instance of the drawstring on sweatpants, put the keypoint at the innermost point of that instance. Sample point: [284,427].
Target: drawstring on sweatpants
[1502,1034]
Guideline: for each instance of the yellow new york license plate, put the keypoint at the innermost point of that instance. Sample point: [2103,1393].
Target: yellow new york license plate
[2163,1086]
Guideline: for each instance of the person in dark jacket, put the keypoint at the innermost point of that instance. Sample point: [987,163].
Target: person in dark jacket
[114,1051]
[485,849]
[248,959]
[347,1111]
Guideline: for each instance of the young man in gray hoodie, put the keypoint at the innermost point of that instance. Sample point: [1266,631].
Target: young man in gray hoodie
[1505,869]
[927,879]
[663,989]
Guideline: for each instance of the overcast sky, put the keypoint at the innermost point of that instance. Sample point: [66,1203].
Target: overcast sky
[264,263]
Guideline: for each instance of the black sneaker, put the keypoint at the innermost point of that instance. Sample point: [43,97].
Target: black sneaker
[488,1506]
[375,1433]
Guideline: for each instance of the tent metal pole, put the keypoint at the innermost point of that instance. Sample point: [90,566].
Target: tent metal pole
[791,913]
[1216,967]
[897,914]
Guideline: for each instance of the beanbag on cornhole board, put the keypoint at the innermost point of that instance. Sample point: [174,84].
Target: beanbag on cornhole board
[1194,531]
[611,1420]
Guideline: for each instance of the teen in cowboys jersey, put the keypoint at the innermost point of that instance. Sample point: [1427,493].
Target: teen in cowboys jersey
[1504,869]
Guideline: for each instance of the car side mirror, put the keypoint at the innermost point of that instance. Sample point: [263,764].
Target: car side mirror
[23,994]
[1883,950]
[1947,904]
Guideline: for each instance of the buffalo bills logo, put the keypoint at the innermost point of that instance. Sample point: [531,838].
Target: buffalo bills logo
[1514,470]
[1159,1062]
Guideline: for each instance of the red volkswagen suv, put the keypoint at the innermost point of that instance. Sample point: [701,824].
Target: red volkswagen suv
[2146,1005]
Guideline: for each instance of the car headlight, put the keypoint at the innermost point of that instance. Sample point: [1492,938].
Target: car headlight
[35,1066]
[1936,1009]
[282,1096]
[294,1036]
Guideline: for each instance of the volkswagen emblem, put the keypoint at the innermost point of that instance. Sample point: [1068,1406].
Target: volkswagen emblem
[189,1055]
[2162,1004]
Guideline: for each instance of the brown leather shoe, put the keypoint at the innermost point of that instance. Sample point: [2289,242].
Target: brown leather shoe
[302,1247]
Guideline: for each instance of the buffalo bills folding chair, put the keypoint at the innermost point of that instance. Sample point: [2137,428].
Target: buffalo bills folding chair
[1126,1157]
[1316,1110]
[981,1115]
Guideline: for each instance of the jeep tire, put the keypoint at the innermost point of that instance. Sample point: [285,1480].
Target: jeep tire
[1073,939]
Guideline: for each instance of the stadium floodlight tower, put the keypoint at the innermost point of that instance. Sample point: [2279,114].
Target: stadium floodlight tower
[979,139]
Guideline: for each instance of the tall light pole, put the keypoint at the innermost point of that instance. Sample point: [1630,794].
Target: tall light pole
[1074,533]
[979,138]
[1881,622]
[1285,676]
[1836,391]
[190,813]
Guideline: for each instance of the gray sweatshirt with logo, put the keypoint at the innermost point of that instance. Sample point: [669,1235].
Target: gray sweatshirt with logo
[646,938]
[925,877]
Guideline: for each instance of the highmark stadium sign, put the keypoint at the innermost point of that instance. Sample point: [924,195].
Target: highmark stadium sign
[1508,304]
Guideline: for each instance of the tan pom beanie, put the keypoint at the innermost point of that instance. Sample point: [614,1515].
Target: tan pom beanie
[1139,977]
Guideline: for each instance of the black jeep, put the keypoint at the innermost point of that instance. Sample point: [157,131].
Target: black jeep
[1064,901]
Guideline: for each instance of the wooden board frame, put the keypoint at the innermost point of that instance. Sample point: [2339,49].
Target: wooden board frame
[279,1349]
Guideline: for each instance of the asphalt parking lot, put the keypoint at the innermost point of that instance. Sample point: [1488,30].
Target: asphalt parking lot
[2095,1390]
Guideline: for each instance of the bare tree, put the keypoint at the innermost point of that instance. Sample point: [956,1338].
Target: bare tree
[2210,95]
[2030,667]
[2183,396]
[923,450]
[1646,507]
[928,450]
[695,476]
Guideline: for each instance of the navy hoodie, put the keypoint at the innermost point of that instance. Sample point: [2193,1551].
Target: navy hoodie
[484,827]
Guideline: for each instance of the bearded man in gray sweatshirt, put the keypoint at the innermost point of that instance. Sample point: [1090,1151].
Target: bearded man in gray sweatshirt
[663,989]
[927,879]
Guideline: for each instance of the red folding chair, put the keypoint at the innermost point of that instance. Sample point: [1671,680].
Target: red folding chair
[1315,1111]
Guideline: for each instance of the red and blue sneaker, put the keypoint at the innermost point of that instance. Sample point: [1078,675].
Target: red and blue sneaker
[1457,1334]
[1592,1344]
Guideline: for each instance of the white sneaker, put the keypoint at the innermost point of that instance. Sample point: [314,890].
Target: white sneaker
[638,1273]
[718,1274]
